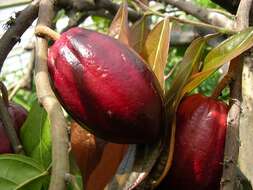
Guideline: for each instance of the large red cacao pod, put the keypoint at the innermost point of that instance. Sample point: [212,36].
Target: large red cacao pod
[199,145]
[106,86]
[18,115]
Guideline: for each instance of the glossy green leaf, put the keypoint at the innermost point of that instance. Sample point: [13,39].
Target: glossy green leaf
[156,48]
[229,49]
[138,34]
[36,136]
[192,57]
[223,53]
[19,172]
[119,27]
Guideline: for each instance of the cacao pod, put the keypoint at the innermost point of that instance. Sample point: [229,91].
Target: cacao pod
[19,115]
[106,86]
[199,145]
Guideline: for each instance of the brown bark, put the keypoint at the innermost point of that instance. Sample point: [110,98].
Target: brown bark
[246,121]
[60,143]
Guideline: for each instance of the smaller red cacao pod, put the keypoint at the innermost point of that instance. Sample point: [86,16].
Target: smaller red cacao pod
[19,115]
[199,145]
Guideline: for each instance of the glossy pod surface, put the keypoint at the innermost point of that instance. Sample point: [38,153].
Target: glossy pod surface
[199,145]
[106,86]
[18,115]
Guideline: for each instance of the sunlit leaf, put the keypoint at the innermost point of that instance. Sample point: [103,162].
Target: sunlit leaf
[156,48]
[138,34]
[20,173]
[119,28]
[192,57]
[197,79]
[229,49]
[35,135]
[223,53]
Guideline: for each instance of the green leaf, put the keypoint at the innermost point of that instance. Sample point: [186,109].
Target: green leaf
[119,27]
[19,172]
[223,53]
[192,58]
[138,34]
[229,49]
[35,135]
[25,98]
[156,48]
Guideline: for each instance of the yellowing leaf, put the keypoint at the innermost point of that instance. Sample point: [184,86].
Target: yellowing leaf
[119,28]
[196,80]
[156,48]
[223,53]
[138,34]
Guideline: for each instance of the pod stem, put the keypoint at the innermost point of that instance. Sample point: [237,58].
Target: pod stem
[222,84]
[44,31]
[228,78]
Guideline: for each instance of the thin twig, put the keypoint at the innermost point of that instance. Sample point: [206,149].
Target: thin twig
[8,124]
[186,21]
[226,80]
[26,80]
[60,142]
[72,180]
[44,31]
[232,143]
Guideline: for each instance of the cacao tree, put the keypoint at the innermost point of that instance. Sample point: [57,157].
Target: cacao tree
[123,95]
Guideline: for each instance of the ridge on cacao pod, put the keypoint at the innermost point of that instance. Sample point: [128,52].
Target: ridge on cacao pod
[106,87]
[201,124]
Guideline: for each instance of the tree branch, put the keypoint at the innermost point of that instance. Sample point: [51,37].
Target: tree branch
[232,136]
[60,157]
[24,19]
[201,13]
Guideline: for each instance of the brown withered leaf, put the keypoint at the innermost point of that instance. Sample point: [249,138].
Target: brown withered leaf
[119,27]
[156,48]
[97,159]
[135,167]
[138,33]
